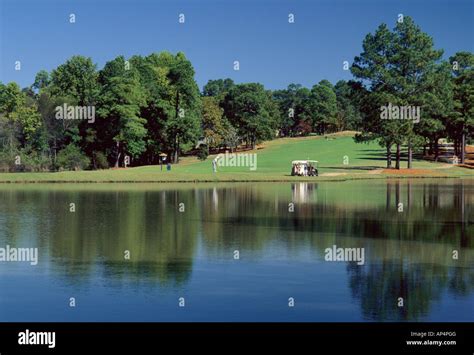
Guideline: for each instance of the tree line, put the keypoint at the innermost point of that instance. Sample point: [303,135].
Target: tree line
[135,111]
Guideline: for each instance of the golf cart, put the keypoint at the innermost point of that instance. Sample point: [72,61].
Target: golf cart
[304,168]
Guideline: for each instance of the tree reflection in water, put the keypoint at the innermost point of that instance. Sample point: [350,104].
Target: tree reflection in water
[407,254]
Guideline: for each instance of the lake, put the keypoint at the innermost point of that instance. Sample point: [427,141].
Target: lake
[239,252]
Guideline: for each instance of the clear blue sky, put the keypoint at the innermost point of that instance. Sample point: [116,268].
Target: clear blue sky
[217,32]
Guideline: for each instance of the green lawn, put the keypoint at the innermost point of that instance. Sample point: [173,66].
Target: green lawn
[273,164]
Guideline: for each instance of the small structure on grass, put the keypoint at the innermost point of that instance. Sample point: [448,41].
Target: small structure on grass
[304,168]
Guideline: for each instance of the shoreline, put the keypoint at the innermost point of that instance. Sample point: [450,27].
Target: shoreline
[234,180]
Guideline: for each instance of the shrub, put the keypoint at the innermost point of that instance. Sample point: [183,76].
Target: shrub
[72,158]
[33,162]
[23,160]
[203,152]
[5,162]
[100,161]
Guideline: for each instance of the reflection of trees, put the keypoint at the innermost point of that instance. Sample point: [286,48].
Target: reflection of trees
[408,254]
[246,218]
[378,286]
[235,224]
[461,281]
[162,242]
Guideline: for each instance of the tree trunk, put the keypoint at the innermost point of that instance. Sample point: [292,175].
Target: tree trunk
[463,148]
[389,156]
[176,141]
[436,149]
[397,163]
[174,155]
[118,155]
[11,138]
[55,152]
[410,154]
[177,150]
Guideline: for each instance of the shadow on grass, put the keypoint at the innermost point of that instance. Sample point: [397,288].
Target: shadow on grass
[372,158]
[372,154]
[361,167]
[382,157]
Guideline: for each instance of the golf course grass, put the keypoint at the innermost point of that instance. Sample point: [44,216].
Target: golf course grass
[364,161]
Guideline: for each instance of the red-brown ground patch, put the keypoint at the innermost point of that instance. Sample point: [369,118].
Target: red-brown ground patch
[414,172]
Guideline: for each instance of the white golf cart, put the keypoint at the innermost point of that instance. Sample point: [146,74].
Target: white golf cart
[304,168]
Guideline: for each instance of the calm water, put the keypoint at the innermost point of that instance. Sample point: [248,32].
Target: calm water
[190,254]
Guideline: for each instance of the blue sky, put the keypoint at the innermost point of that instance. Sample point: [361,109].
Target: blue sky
[217,32]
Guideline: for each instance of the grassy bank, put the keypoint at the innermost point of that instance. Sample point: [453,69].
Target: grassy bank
[365,161]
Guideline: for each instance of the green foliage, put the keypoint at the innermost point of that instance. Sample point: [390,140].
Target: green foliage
[402,68]
[213,122]
[99,160]
[184,125]
[203,152]
[10,98]
[120,102]
[72,158]
[24,160]
[324,107]
[32,161]
[437,102]
[231,137]
[348,96]
[250,109]
[19,117]
[295,110]
[77,78]
[218,88]
[463,121]
[42,80]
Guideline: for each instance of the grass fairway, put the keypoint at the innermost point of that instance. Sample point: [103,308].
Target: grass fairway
[365,161]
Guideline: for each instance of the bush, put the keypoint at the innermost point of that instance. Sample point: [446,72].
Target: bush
[100,161]
[203,152]
[23,160]
[6,162]
[33,162]
[72,158]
